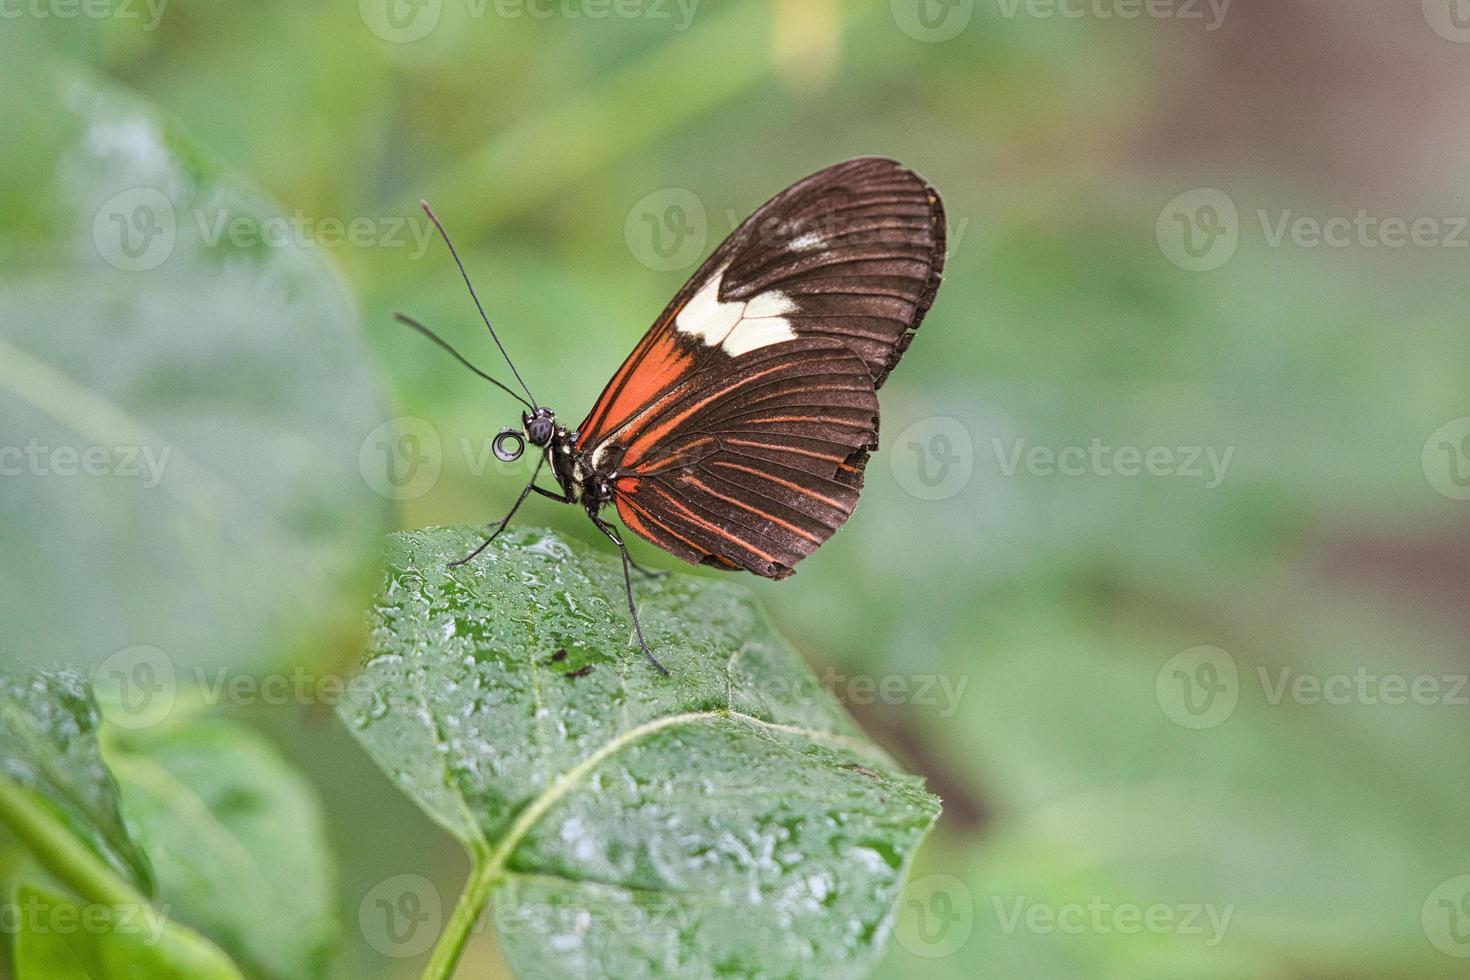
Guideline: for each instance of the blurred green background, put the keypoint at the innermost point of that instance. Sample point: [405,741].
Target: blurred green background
[1200,717]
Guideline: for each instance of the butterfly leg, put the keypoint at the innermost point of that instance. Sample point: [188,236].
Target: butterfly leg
[615,538]
[506,520]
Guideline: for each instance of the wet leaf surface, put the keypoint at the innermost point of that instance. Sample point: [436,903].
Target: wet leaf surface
[728,820]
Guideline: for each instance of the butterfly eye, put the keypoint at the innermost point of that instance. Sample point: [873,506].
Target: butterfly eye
[509,445]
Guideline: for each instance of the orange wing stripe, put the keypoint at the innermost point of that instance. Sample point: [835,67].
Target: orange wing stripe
[754,510]
[644,440]
[845,423]
[633,388]
[713,528]
[633,515]
[808,491]
[785,449]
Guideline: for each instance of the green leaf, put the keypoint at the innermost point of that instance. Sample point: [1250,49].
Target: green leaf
[730,819]
[49,755]
[59,818]
[60,939]
[237,838]
[199,394]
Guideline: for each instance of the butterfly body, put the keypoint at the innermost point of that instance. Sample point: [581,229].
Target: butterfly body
[573,469]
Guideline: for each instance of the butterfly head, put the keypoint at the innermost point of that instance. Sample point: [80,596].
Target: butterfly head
[539,425]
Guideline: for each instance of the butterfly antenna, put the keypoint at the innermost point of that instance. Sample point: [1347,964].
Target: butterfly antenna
[473,295]
[409,321]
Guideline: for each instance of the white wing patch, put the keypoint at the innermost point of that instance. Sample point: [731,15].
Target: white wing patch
[739,327]
[806,242]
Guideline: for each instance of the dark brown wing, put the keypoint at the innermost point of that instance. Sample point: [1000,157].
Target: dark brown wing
[853,252]
[756,465]
[739,427]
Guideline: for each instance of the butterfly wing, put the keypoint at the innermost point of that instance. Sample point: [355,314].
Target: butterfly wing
[755,465]
[739,426]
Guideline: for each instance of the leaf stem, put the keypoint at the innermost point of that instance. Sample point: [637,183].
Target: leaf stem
[467,912]
[490,871]
[80,869]
[65,856]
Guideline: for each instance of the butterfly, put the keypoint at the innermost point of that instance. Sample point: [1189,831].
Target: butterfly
[736,432]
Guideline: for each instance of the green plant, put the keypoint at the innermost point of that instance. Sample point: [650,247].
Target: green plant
[729,820]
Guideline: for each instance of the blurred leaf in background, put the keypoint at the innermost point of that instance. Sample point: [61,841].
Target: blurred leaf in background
[183,395]
[237,839]
[73,910]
